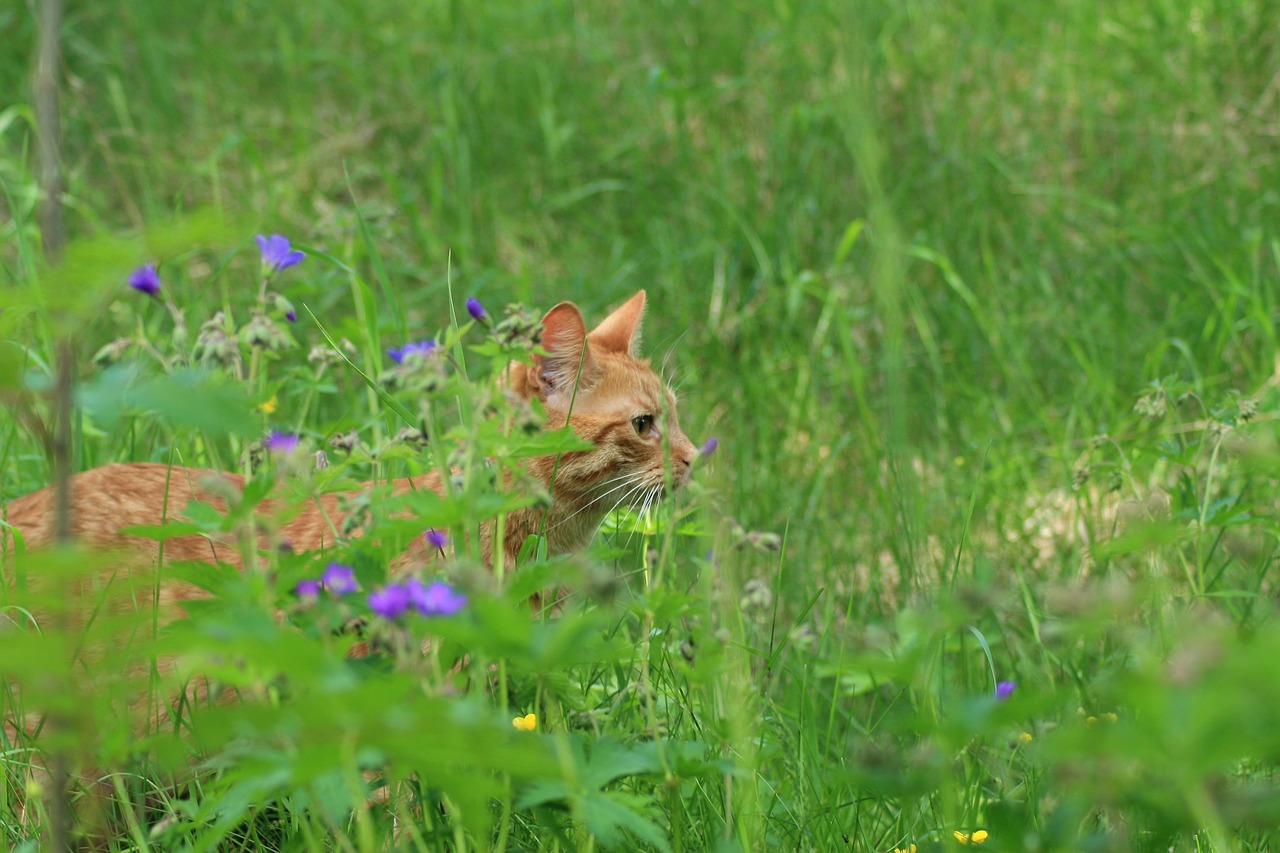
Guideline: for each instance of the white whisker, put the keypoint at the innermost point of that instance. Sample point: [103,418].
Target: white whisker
[649,495]
[629,480]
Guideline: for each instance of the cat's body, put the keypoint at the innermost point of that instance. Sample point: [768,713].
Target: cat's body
[618,403]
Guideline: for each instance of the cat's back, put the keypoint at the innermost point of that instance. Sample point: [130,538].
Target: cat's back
[104,500]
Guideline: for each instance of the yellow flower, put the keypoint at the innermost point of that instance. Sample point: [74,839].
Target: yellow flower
[527,723]
[269,407]
[1025,737]
[1091,720]
[910,848]
[977,836]
[1110,717]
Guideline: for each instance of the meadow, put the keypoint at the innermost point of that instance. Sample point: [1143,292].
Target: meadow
[978,299]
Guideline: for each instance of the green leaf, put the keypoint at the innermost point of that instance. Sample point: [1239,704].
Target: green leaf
[189,399]
[608,814]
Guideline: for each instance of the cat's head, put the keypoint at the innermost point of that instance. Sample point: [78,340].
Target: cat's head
[618,404]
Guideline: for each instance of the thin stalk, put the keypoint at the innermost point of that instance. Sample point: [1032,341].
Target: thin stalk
[45,85]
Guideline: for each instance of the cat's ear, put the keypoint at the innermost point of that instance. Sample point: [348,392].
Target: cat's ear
[620,331]
[564,337]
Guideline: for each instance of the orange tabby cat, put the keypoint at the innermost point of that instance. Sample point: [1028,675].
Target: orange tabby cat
[619,404]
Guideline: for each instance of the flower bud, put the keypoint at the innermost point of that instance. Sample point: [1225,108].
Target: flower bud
[112,352]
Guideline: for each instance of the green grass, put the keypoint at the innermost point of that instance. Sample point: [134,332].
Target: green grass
[907,261]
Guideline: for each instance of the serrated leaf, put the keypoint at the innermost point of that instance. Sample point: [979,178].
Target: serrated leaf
[607,814]
[612,760]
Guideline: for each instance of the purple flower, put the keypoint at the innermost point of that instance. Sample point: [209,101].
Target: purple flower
[1005,689]
[291,316]
[437,539]
[339,579]
[277,254]
[307,589]
[390,601]
[476,310]
[417,348]
[434,599]
[145,279]
[280,442]
[710,447]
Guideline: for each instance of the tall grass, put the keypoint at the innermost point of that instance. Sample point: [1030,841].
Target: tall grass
[913,264]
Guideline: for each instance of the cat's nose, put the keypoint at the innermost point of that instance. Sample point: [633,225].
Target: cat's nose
[684,457]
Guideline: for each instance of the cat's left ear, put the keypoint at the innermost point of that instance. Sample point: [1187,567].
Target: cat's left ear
[620,331]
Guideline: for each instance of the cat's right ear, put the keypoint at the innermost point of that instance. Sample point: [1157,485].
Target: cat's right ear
[564,337]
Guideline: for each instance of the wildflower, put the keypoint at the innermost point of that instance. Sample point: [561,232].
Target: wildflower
[434,599]
[476,310]
[261,331]
[268,407]
[757,595]
[910,848]
[280,443]
[277,254]
[437,539]
[420,349]
[390,601]
[764,541]
[411,436]
[519,328]
[1110,717]
[112,352]
[213,344]
[180,333]
[345,440]
[309,588]
[145,279]
[710,447]
[284,306]
[1025,737]
[976,837]
[339,579]
[1004,690]
[527,723]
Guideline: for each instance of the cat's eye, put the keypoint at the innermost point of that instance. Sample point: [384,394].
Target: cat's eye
[642,423]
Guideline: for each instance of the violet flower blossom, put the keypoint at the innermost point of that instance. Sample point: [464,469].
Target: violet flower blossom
[339,579]
[309,588]
[390,601]
[421,348]
[145,279]
[280,442]
[434,599]
[277,254]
